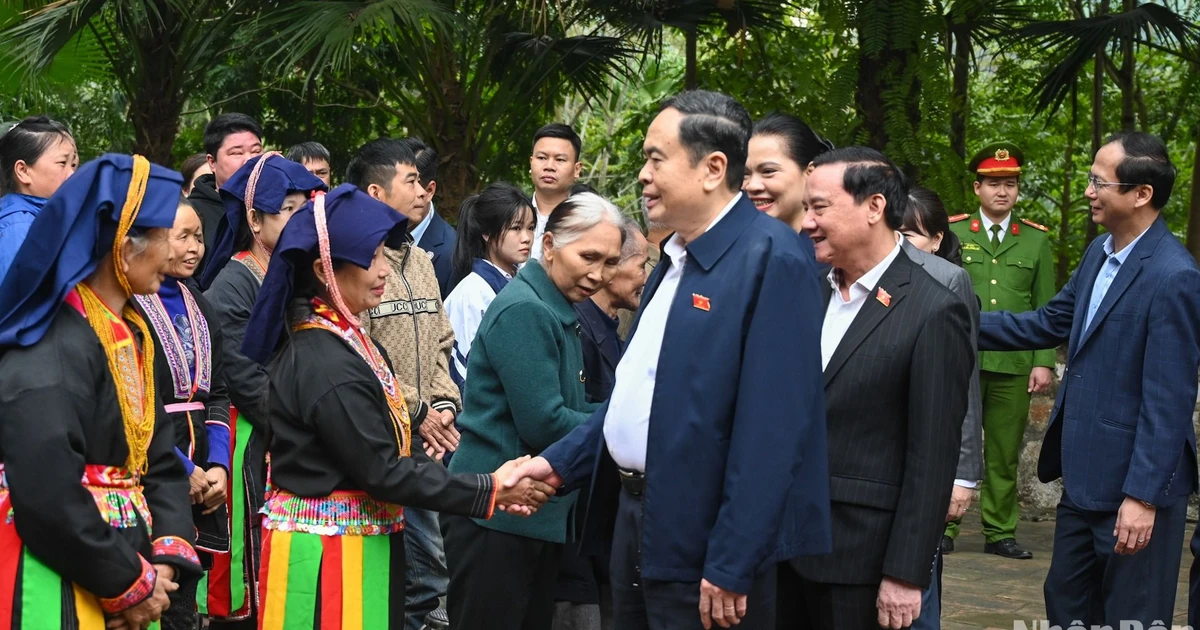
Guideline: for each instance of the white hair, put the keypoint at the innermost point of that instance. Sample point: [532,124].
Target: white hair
[580,213]
[632,245]
[138,244]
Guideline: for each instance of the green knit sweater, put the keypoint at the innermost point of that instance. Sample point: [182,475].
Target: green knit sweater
[524,391]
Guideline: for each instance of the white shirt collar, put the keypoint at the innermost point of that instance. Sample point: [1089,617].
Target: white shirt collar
[675,247]
[419,231]
[988,223]
[868,280]
[502,272]
[1124,253]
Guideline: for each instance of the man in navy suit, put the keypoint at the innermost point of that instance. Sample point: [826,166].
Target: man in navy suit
[1121,434]
[431,232]
[708,464]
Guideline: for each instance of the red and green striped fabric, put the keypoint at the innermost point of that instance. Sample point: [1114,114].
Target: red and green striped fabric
[353,574]
[224,594]
[26,581]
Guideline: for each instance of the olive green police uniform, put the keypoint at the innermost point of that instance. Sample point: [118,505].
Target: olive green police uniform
[1016,275]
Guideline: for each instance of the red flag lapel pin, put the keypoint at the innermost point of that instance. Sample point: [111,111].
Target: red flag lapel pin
[701,302]
[884,297]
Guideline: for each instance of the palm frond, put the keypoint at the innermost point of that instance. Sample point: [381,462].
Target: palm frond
[586,64]
[988,19]
[34,40]
[1075,43]
[332,30]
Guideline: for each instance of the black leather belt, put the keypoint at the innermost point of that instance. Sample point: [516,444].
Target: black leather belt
[633,481]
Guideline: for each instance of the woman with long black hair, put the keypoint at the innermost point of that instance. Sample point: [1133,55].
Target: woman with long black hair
[495,236]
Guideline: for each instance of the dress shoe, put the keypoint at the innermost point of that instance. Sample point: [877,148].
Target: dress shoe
[1007,548]
[947,545]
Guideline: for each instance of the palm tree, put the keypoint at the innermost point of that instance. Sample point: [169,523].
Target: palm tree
[972,24]
[1073,44]
[473,78]
[1076,43]
[646,21]
[157,51]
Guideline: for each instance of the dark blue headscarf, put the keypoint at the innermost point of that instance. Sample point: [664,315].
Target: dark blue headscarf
[357,224]
[69,237]
[279,178]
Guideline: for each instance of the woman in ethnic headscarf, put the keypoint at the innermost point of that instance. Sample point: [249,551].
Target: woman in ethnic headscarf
[259,199]
[88,454]
[340,437]
[188,378]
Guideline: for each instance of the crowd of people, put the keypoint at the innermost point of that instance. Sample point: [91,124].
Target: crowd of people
[239,396]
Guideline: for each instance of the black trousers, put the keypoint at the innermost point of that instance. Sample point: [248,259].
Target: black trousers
[498,581]
[808,605]
[640,604]
[1090,583]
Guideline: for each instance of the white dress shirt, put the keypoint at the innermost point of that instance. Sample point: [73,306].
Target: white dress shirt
[841,313]
[988,223]
[627,423]
[419,232]
[535,252]
[465,307]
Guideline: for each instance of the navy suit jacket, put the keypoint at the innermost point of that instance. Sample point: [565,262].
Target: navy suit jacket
[600,354]
[737,477]
[1122,423]
[438,240]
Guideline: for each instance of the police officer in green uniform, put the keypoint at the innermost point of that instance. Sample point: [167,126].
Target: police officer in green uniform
[1012,269]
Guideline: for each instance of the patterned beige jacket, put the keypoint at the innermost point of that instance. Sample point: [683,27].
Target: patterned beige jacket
[411,325]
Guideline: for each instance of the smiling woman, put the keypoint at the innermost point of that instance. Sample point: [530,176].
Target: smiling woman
[777,166]
[526,392]
[87,430]
[189,369]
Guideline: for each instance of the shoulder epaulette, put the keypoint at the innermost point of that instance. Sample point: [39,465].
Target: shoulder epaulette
[1032,225]
[958,217]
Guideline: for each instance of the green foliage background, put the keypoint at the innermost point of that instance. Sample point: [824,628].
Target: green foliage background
[806,64]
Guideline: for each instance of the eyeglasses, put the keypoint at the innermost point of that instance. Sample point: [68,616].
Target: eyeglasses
[1097,183]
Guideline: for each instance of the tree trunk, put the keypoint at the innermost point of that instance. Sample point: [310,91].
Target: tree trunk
[155,126]
[885,70]
[1193,229]
[1097,127]
[960,91]
[1128,85]
[155,107]
[689,73]
[1063,270]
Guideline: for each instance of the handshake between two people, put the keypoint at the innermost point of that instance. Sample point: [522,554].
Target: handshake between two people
[525,484]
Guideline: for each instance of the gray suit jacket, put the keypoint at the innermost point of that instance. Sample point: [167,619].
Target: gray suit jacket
[955,278]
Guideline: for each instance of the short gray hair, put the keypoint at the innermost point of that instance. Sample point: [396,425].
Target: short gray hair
[630,245]
[580,213]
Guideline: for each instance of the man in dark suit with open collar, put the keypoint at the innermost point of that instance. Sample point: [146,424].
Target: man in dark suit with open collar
[431,232]
[1120,435]
[897,354]
[707,465]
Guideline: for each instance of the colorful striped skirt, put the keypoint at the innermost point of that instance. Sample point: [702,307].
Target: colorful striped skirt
[334,563]
[35,597]
[226,591]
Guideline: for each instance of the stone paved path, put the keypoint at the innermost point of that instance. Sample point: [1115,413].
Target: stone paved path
[983,591]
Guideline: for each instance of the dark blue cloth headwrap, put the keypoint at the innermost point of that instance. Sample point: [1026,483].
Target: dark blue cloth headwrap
[279,178]
[357,224]
[69,237]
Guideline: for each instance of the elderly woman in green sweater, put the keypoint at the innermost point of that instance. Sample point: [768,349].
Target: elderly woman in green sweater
[524,392]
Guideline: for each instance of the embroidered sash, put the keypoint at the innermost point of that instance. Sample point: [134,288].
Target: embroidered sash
[181,373]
